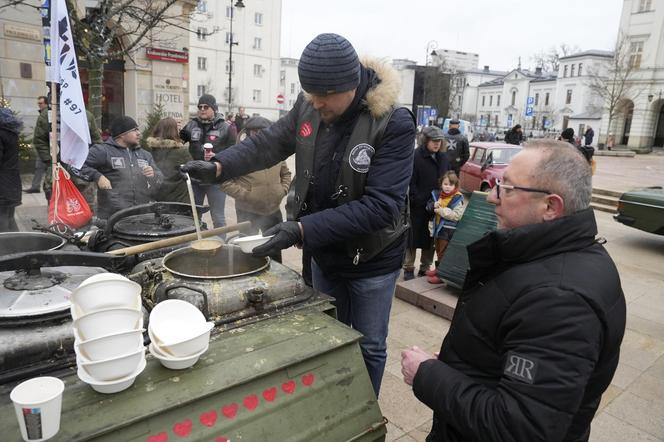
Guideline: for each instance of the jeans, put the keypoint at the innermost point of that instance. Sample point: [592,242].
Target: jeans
[364,304]
[216,201]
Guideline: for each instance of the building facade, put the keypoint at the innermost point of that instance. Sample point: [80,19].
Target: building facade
[455,60]
[639,124]
[254,66]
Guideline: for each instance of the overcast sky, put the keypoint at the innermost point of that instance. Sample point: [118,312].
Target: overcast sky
[498,30]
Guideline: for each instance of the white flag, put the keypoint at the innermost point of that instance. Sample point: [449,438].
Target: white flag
[74,130]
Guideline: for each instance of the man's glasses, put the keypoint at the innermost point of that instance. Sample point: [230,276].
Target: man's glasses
[509,187]
[203,107]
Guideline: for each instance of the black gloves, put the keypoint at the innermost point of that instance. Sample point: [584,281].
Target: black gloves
[202,171]
[285,235]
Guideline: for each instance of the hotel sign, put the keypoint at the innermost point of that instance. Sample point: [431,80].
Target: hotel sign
[22,32]
[167,55]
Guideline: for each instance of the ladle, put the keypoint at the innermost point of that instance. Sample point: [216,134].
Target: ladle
[200,245]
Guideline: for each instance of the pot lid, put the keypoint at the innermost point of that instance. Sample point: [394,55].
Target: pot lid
[47,291]
[152,226]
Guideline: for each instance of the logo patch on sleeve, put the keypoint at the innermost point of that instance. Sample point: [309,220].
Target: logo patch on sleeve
[360,157]
[520,368]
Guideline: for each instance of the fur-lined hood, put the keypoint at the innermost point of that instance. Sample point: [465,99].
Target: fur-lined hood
[383,96]
[161,143]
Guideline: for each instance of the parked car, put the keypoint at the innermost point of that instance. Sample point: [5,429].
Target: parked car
[487,163]
[642,209]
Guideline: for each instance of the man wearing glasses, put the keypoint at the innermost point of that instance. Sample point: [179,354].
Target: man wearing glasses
[536,335]
[209,128]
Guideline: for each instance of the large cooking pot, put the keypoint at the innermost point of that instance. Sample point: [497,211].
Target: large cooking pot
[20,242]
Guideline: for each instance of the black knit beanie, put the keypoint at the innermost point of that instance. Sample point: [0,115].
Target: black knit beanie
[121,125]
[209,100]
[329,65]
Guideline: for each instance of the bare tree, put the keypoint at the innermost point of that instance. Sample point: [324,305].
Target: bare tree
[457,87]
[115,29]
[614,84]
[549,60]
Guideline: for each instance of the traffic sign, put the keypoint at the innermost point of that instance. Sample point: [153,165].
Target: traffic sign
[529,111]
[531,100]
[280,99]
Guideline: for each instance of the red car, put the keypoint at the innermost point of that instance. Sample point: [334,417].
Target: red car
[487,162]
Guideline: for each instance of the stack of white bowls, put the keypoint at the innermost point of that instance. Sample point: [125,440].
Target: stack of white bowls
[108,331]
[179,334]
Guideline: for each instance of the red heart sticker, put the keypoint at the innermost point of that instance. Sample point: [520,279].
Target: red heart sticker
[270,394]
[229,410]
[161,437]
[288,387]
[208,418]
[213,137]
[308,379]
[182,429]
[221,439]
[250,402]
[306,129]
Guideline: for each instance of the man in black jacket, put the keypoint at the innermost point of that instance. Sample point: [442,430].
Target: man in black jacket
[514,135]
[354,157]
[536,335]
[458,150]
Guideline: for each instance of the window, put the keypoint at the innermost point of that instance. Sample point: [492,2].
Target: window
[256,96]
[565,71]
[635,51]
[201,34]
[513,98]
[568,100]
[580,69]
[258,18]
[536,99]
[229,11]
[292,88]
[258,70]
[645,5]
[543,122]
[282,78]
[202,64]
[230,38]
[459,100]
[200,89]
[571,72]
[227,70]
[479,155]
[498,100]
[202,6]
[546,99]
[491,100]
[495,118]
[257,43]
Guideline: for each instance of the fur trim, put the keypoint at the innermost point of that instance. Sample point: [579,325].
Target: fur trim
[161,143]
[381,98]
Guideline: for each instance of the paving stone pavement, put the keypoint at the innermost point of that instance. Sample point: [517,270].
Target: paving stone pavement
[632,409]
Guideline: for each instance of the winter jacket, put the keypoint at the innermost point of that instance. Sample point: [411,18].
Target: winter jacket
[10,178]
[513,137]
[438,222]
[427,170]
[589,135]
[327,228]
[260,192]
[123,168]
[216,132]
[458,150]
[535,337]
[168,156]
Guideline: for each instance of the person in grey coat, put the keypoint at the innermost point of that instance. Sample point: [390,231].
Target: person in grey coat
[125,173]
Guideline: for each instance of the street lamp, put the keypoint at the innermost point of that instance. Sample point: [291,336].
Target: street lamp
[431,48]
[432,45]
[239,5]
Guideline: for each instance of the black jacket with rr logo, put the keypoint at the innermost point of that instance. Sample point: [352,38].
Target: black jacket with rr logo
[216,132]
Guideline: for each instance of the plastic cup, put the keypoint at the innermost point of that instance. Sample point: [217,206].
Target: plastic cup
[38,403]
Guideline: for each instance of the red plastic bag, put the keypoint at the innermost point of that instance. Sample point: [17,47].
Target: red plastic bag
[67,205]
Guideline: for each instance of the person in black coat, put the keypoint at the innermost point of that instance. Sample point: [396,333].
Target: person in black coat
[514,135]
[10,178]
[536,334]
[458,149]
[429,164]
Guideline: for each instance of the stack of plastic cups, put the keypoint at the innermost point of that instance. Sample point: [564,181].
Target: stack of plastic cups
[108,331]
[179,334]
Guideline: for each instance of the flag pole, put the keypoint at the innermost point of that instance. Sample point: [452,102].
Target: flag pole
[54,131]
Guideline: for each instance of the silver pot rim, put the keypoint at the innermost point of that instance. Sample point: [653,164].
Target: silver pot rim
[61,240]
[186,275]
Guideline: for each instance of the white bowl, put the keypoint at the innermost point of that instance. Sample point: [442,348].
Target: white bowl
[175,363]
[247,243]
[113,368]
[108,322]
[174,320]
[105,276]
[115,386]
[106,294]
[76,311]
[189,346]
[110,346]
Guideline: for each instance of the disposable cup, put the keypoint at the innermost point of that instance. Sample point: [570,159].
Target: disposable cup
[38,403]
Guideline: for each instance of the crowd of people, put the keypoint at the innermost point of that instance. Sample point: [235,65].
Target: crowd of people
[536,335]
